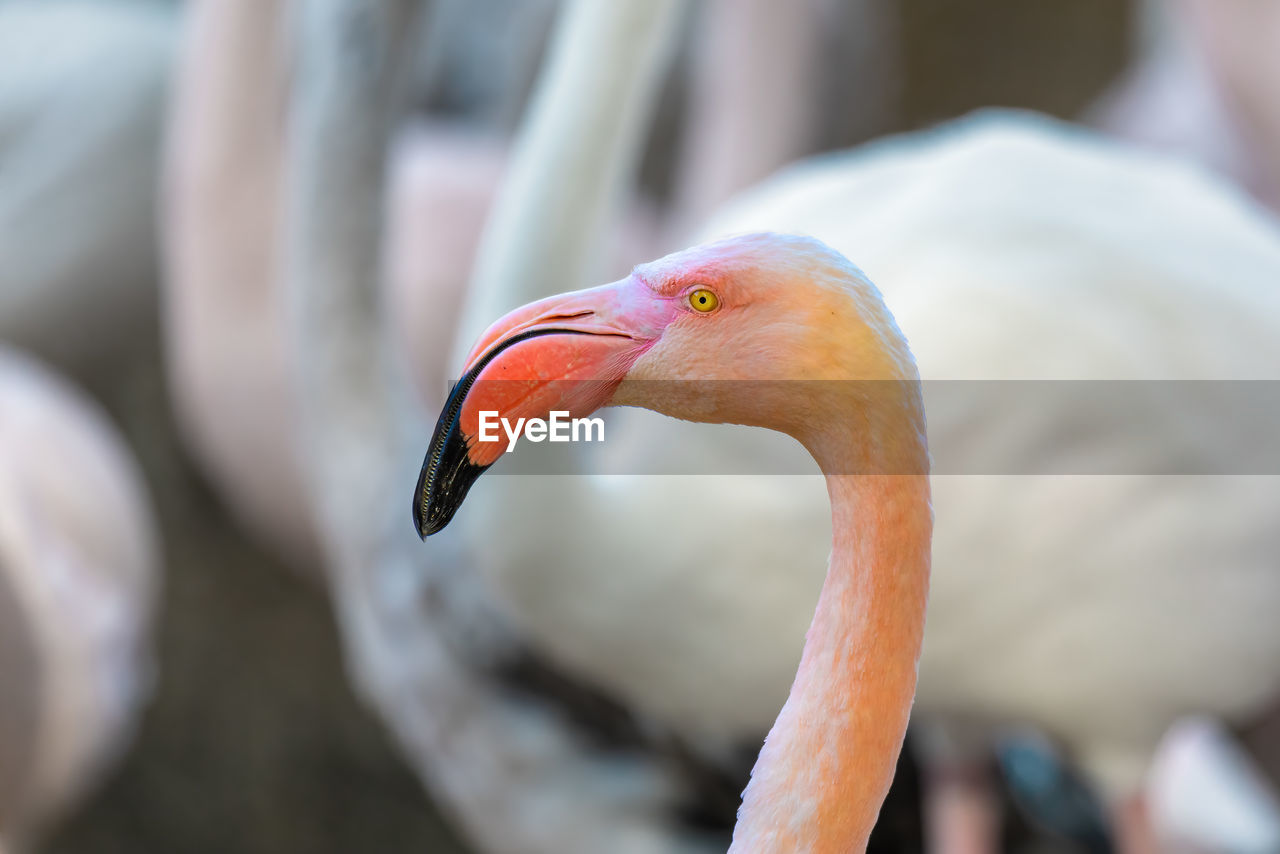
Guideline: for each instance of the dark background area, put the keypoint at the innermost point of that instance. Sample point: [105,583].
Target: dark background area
[255,741]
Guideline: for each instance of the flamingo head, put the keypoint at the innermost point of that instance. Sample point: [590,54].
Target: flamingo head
[717,333]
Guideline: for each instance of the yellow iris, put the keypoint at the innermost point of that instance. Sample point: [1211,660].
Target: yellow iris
[703,300]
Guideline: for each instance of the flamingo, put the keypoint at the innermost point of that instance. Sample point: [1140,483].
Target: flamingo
[598,633]
[991,234]
[1003,178]
[828,367]
[78,573]
[82,96]
[1199,540]
[429,666]
[1205,88]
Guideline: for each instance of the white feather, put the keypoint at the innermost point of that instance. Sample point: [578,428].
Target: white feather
[1099,608]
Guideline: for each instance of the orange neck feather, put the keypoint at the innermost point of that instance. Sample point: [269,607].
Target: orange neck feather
[827,763]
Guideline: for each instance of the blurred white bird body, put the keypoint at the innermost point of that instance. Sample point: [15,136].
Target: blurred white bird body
[1099,608]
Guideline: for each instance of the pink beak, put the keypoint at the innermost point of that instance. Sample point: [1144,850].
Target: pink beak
[563,353]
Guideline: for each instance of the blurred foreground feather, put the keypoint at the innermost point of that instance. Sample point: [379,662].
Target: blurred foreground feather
[78,578]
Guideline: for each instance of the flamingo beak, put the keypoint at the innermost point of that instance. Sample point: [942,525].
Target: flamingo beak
[564,353]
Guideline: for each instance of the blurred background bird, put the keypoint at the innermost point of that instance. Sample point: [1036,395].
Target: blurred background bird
[79,553]
[156,162]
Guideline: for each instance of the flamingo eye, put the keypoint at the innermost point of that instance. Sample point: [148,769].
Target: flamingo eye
[703,301]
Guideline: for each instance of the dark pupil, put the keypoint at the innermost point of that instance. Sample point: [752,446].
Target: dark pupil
[702,300]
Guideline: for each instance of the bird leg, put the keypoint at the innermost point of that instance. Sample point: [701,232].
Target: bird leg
[961,812]
[1132,828]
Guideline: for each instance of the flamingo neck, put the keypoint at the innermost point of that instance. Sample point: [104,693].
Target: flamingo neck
[826,765]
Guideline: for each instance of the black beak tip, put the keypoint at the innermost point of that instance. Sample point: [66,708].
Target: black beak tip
[436,517]
[441,492]
[421,523]
[447,472]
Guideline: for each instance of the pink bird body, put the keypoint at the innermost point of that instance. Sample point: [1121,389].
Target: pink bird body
[795,339]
